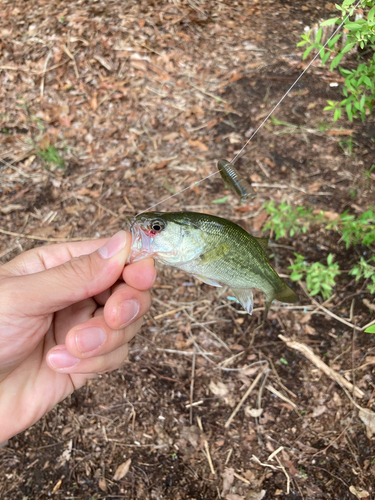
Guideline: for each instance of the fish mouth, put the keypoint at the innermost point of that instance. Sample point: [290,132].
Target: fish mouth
[141,246]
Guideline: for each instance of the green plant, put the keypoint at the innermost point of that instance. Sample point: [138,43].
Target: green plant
[369,172]
[359,84]
[365,269]
[356,230]
[371,329]
[286,220]
[51,155]
[319,278]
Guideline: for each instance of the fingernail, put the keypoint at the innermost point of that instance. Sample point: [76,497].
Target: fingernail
[90,338]
[114,245]
[128,311]
[61,358]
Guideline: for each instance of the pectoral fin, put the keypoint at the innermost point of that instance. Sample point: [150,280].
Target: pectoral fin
[214,254]
[245,298]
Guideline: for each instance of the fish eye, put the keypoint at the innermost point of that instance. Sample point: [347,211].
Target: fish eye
[157,226]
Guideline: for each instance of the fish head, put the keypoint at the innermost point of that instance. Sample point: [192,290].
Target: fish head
[167,237]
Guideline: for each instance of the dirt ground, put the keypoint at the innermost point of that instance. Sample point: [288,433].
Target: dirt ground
[139,99]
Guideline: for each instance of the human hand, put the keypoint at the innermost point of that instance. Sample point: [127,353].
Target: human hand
[64,318]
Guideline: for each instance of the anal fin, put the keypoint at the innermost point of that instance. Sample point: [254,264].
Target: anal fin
[208,281]
[263,242]
[245,298]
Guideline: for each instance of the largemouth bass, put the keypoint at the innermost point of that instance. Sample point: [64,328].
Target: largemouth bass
[234,180]
[215,250]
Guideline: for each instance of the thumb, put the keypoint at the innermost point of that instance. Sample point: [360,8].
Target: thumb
[75,280]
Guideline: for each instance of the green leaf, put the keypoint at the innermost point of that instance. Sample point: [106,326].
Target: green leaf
[371,14]
[325,58]
[336,60]
[337,114]
[347,3]
[319,35]
[370,329]
[348,47]
[354,26]
[307,52]
[329,22]
[220,200]
[349,111]
[368,82]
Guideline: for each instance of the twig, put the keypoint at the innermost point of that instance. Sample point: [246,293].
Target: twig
[44,73]
[241,478]
[192,385]
[245,396]
[306,351]
[286,475]
[69,54]
[342,320]
[206,448]
[281,396]
[186,353]
[228,456]
[168,313]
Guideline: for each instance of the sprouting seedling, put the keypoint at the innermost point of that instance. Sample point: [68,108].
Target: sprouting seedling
[265,119]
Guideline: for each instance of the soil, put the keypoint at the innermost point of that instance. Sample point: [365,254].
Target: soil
[140,100]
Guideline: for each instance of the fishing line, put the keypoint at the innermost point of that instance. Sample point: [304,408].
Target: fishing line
[265,120]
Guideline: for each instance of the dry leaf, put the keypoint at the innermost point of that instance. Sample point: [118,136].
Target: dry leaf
[340,132]
[228,478]
[198,144]
[103,484]
[359,493]
[219,389]
[11,208]
[57,486]
[253,412]
[259,220]
[368,418]
[122,470]
[192,435]
[171,137]
[233,496]
[255,178]
[331,215]
[103,62]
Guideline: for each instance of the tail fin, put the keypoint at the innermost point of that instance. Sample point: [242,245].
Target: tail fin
[286,294]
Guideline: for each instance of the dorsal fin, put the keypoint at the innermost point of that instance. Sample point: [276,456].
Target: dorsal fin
[263,242]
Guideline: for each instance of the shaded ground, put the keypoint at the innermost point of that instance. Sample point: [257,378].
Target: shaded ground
[140,99]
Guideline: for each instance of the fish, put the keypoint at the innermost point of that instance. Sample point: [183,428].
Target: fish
[234,180]
[213,249]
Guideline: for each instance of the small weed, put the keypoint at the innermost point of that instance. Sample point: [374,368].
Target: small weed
[287,220]
[357,230]
[358,88]
[320,279]
[51,155]
[283,361]
[365,269]
[347,146]
[302,473]
[369,172]
[371,329]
